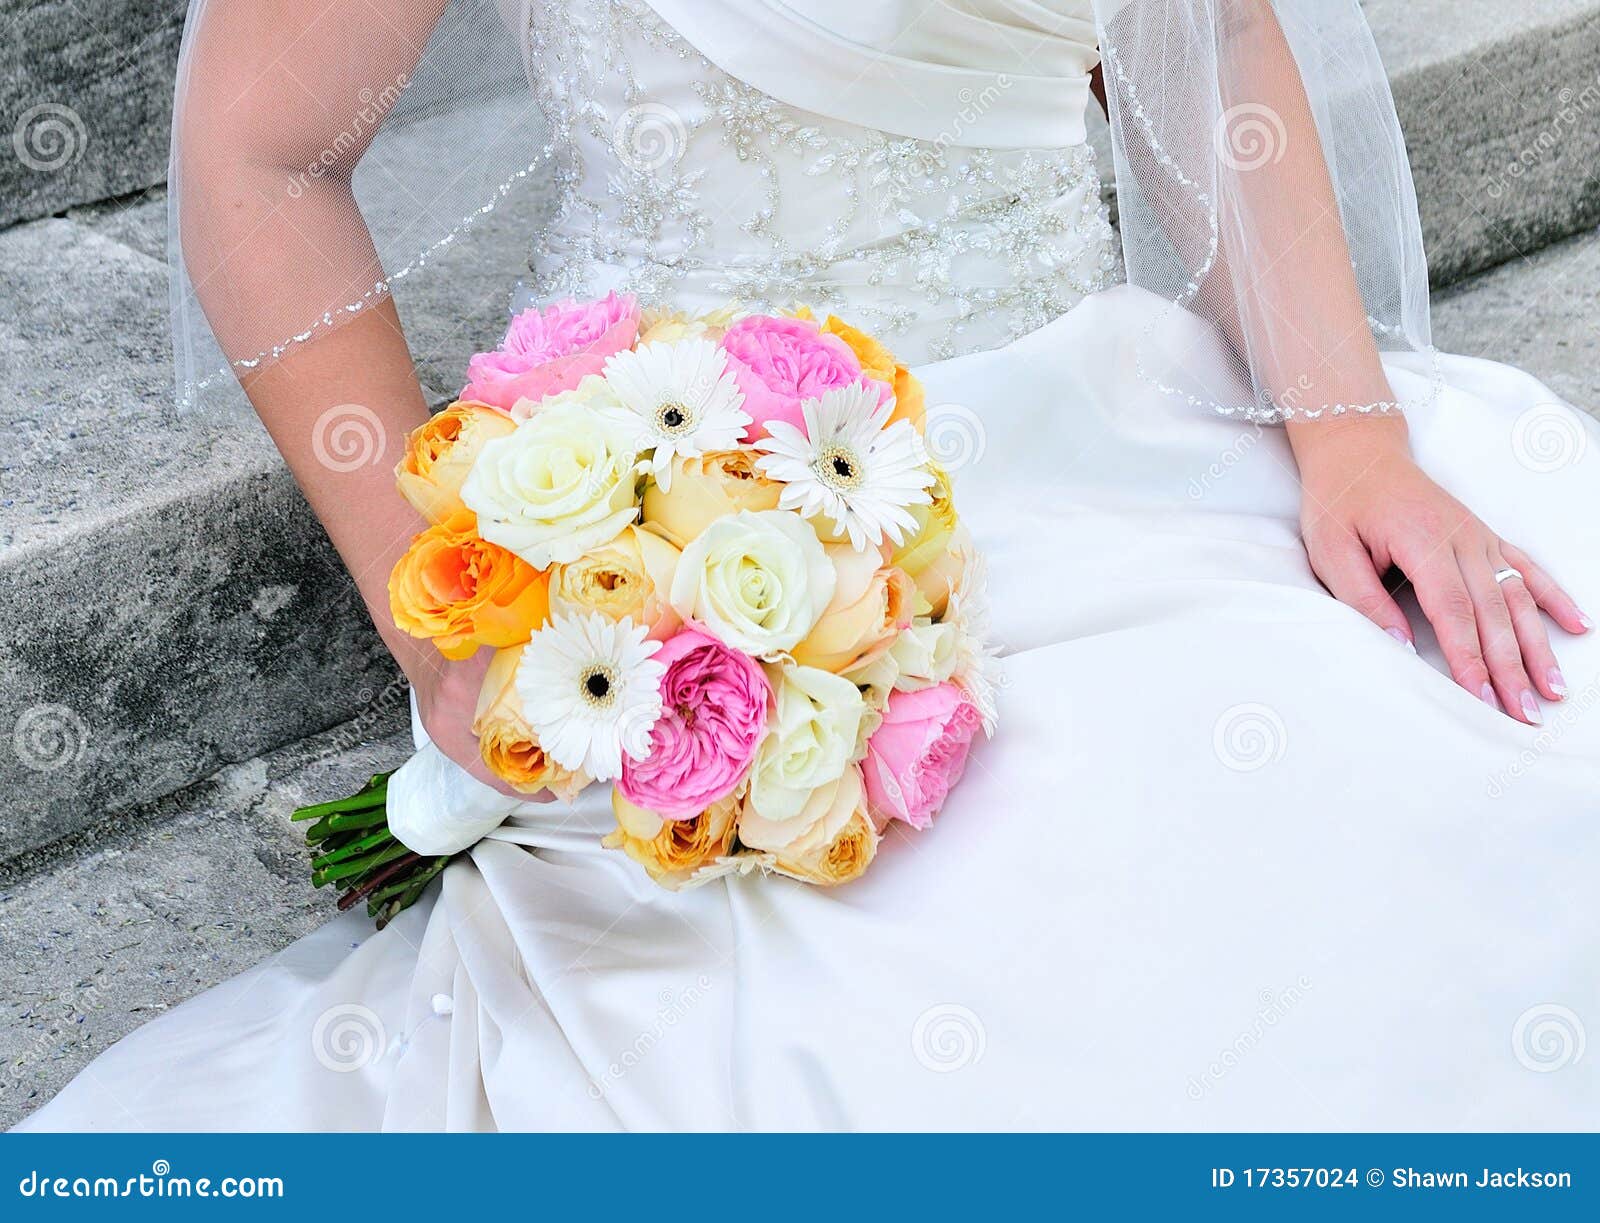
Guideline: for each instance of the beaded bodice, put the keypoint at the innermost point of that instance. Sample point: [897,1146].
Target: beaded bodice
[679,182]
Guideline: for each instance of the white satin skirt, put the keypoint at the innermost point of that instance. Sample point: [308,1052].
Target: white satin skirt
[1234,861]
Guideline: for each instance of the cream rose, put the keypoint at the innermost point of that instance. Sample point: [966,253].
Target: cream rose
[924,655]
[825,812]
[812,738]
[562,484]
[630,576]
[757,581]
[659,324]
[705,488]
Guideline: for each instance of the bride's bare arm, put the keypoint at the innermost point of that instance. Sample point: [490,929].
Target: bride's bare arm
[270,91]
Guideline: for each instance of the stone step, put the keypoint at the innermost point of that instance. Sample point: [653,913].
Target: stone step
[169,605]
[164,903]
[1539,312]
[177,607]
[1500,104]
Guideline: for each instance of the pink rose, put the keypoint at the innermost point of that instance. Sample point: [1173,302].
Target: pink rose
[713,714]
[918,753]
[551,350]
[780,362]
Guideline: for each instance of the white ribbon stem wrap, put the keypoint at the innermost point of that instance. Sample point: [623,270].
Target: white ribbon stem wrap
[435,807]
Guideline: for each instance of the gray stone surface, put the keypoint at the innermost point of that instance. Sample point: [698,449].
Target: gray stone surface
[169,603]
[88,85]
[164,904]
[1540,313]
[86,91]
[1500,105]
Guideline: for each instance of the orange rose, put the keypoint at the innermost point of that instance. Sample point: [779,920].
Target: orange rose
[506,741]
[463,592]
[878,362]
[440,452]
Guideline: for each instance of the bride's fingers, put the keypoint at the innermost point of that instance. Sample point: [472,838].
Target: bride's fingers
[1546,593]
[1345,567]
[1446,602]
[1537,655]
[1502,649]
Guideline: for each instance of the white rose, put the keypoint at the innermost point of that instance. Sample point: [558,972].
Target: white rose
[811,740]
[827,810]
[561,484]
[758,580]
[925,655]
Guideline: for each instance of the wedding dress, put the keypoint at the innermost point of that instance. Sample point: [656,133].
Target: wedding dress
[1234,859]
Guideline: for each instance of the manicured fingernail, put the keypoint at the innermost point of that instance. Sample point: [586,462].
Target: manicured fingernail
[1530,708]
[1487,696]
[1400,636]
[1558,682]
[1585,621]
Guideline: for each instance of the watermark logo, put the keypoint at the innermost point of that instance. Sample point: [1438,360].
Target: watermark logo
[1547,1038]
[947,1038]
[1249,737]
[49,137]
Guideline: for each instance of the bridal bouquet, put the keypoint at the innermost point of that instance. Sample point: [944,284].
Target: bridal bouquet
[718,570]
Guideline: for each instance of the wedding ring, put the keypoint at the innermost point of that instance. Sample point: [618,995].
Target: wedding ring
[1506,574]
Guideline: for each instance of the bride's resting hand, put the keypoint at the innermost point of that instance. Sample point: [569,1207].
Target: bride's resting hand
[1368,508]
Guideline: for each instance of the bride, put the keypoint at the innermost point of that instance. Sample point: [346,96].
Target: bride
[1289,822]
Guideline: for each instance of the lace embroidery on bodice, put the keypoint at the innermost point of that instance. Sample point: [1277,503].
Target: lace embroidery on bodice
[681,183]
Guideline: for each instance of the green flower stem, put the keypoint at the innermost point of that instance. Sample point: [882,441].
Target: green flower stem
[345,852]
[366,799]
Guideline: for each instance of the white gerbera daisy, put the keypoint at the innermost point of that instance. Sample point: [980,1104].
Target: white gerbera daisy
[849,466]
[591,691]
[684,398]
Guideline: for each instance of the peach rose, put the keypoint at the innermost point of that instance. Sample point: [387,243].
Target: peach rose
[440,452]
[844,858]
[630,576]
[506,741]
[705,488]
[872,603]
[671,851]
[463,592]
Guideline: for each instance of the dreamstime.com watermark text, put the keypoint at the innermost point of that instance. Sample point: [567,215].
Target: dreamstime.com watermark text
[156,1183]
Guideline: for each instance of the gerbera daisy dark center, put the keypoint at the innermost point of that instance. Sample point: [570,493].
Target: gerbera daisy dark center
[599,686]
[838,467]
[674,417]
